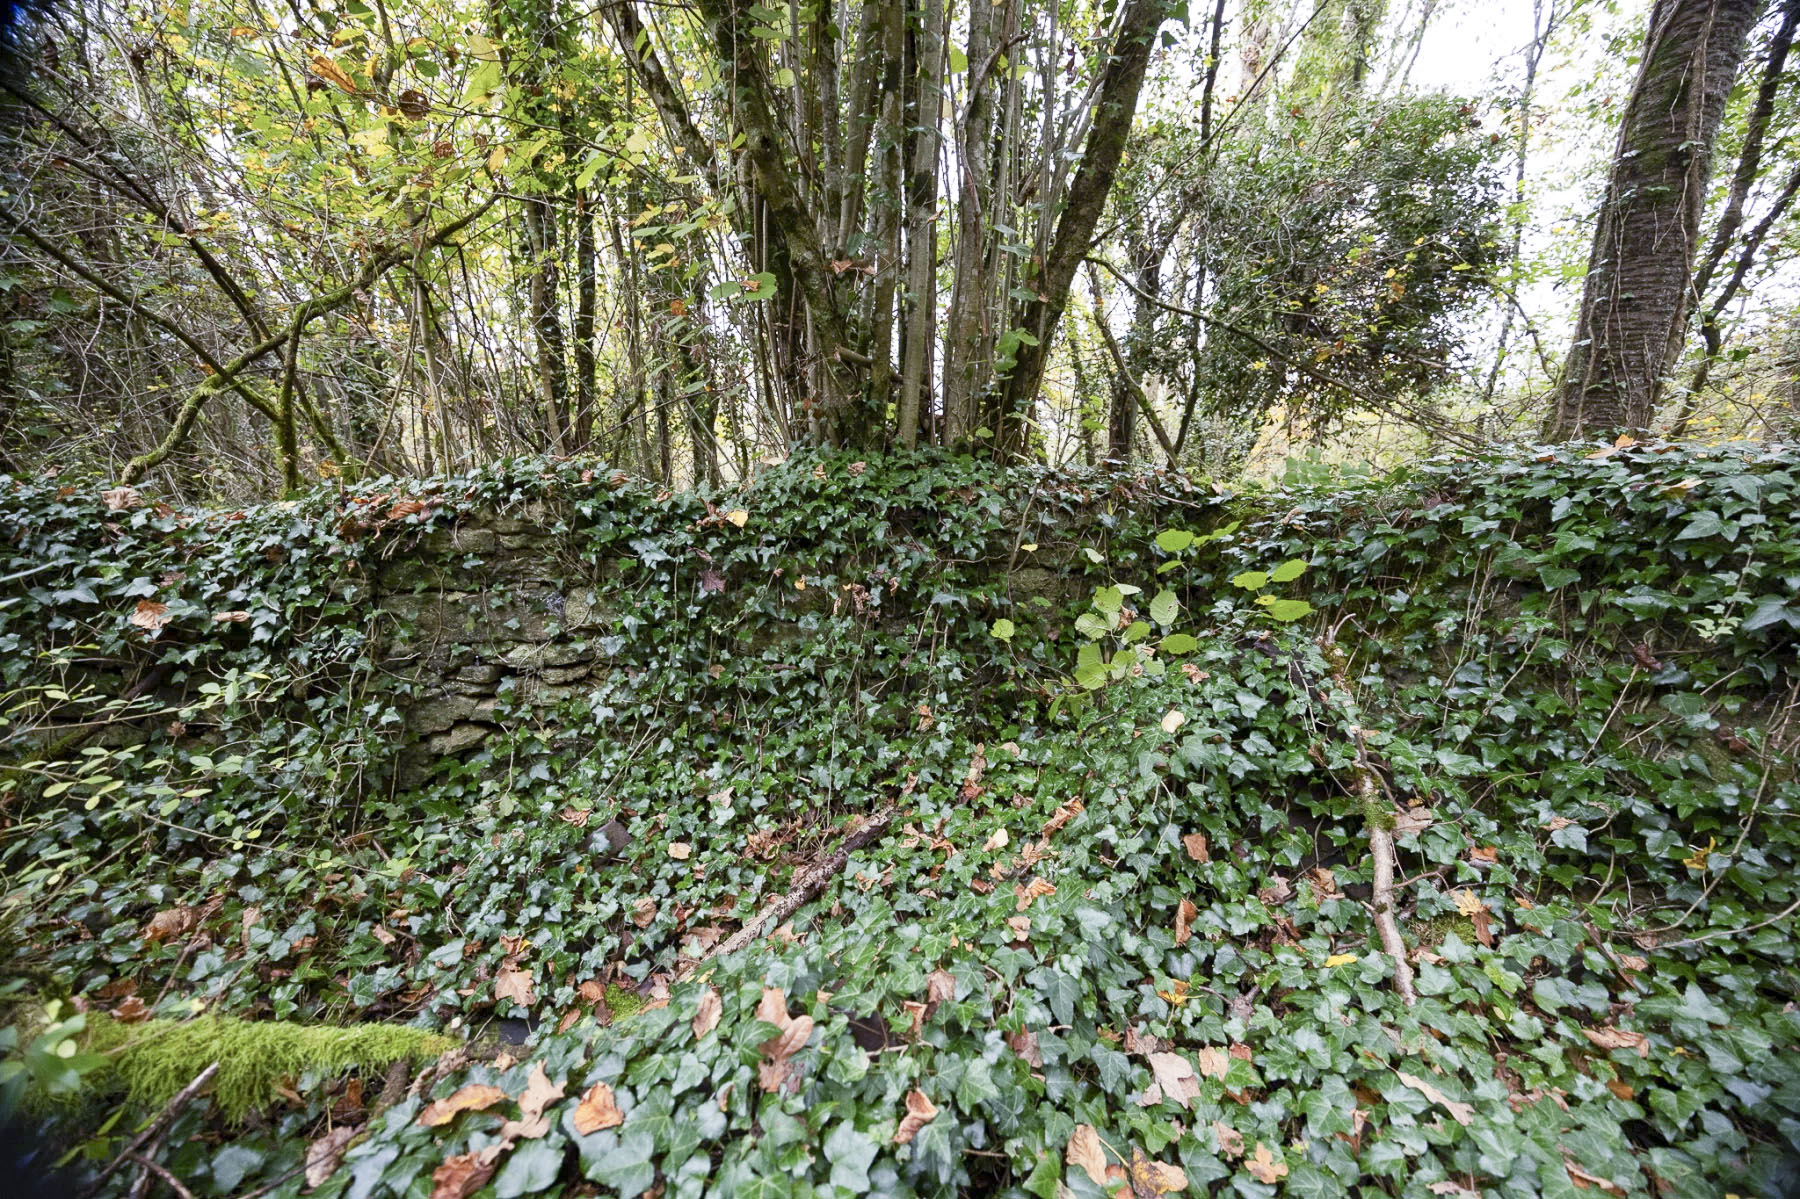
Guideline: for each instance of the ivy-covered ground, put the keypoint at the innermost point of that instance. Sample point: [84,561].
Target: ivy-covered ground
[1139,734]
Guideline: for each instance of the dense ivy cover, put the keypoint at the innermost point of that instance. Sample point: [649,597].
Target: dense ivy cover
[1574,670]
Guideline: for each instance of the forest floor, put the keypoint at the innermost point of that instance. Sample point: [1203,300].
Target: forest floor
[936,830]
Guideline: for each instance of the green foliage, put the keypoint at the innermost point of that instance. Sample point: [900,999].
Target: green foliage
[1569,668]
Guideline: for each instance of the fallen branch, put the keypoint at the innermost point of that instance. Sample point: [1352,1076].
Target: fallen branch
[162,1172]
[155,1128]
[806,888]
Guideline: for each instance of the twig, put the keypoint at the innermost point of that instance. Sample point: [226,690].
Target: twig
[812,880]
[162,1172]
[155,1127]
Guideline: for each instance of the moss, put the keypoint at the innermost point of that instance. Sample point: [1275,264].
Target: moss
[623,1003]
[155,1059]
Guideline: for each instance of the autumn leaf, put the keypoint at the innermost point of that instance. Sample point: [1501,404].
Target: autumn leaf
[920,1111]
[1178,993]
[940,987]
[1462,1113]
[1618,1038]
[150,615]
[131,1010]
[122,499]
[1036,889]
[1195,844]
[1467,902]
[598,1109]
[171,923]
[706,1016]
[738,517]
[1339,959]
[1172,720]
[1213,1061]
[464,1174]
[1412,820]
[643,912]
[793,1033]
[236,616]
[539,1093]
[324,1154]
[997,840]
[1231,1141]
[1025,1044]
[680,850]
[1264,1167]
[511,982]
[330,72]
[1184,921]
[1084,1151]
[476,1097]
[1175,1075]
[1151,1178]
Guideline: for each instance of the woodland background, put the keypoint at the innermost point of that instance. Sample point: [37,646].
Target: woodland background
[251,244]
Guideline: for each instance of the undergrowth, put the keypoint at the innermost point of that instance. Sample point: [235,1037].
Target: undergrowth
[1573,671]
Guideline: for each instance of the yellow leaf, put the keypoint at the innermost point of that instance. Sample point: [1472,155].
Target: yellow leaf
[1178,993]
[738,517]
[1339,959]
[1467,902]
[1172,720]
[331,73]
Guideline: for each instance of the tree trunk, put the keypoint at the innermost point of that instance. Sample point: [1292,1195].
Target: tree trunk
[1634,308]
[1117,105]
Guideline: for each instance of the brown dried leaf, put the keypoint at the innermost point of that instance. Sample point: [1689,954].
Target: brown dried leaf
[1231,1141]
[1412,820]
[324,1154]
[476,1097]
[940,987]
[236,616]
[333,74]
[122,499]
[1213,1062]
[681,851]
[516,984]
[920,1111]
[540,1092]
[598,1109]
[150,615]
[1619,1038]
[464,1174]
[1263,1165]
[1175,1075]
[1195,844]
[706,1016]
[1462,1113]
[1037,888]
[1025,1044]
[1085,1152]
[1184,921]
[643,912]
[171,923]
[131,1010]
[1152,1178]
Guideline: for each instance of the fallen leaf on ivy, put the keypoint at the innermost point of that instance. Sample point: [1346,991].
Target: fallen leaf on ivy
[1583,1180]
[598,1109]
[1339,959]
[1467,902]
[1213,1062]
[1263,1165]
[738,517]
[1062,816]
[1446,1187]
[940,987]
[1621,1090]
[1036,889]
[1184,921]
[997,840]
[464,1174]
[1175,1075]
[793,1033]
[150,615]
[476,1097]
[1025,1044]
[1231,1141]
[1412,820]
[122,499]
[1277,890]
[706,1017]
[1178,993]
[1462,1113]
[1021,927]
[237,616]
[540,1092]
[131,1010]
[1619,1038]
[681,851]
[1172,720]
[1152,1178]
[643,912]
[510,982]
[1484,855]
[171,923]
[920,1111]
[1084,1151]
[1195,844]
[324,1154]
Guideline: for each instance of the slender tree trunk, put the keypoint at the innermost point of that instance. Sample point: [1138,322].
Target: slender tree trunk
[1120,84]
[921,231]
[966,350]
[586,303]
[1634,308]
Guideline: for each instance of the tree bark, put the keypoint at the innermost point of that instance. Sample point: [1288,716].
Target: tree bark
[1635,305]
[1120,84]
